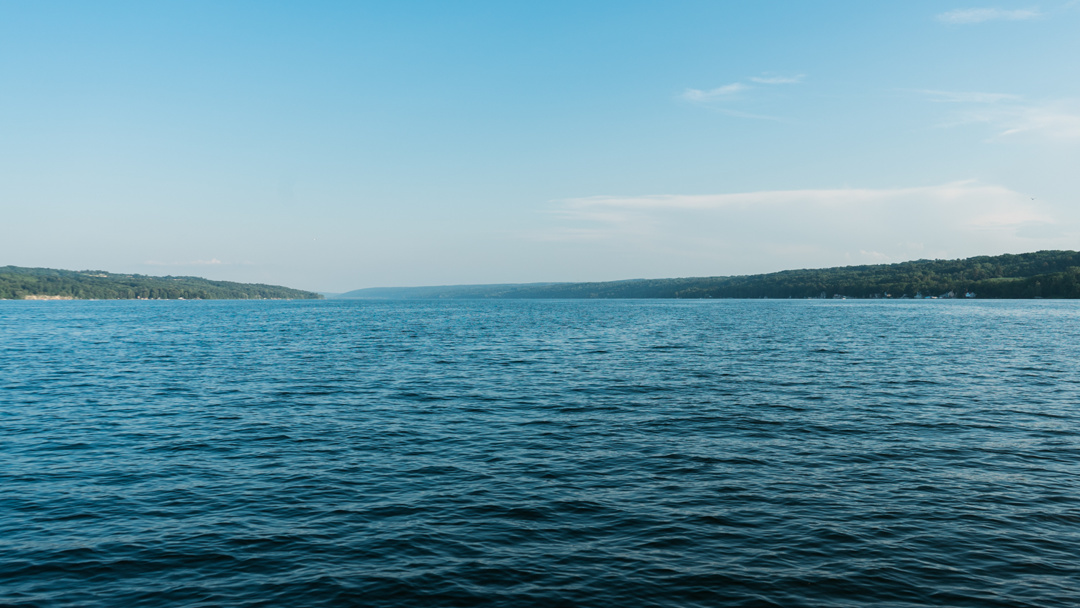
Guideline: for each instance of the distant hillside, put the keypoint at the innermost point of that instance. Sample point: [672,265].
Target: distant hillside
[45,283]
[1043,274]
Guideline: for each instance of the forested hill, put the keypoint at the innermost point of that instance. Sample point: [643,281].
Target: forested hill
[1043,274]
[45,283]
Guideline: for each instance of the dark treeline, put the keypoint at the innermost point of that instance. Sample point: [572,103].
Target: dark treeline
[1043,274]
[17,283]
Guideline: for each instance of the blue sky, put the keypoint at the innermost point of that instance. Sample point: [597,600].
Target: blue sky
[338,145]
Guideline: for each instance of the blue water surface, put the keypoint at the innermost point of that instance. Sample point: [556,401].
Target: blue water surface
[540,453]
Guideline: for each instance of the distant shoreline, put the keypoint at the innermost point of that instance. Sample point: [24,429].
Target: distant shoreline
[38,298]
[1041,274]
[18,283]
[1036,275]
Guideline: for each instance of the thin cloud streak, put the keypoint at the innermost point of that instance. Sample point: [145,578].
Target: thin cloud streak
[826,197]
[1012,115]
[1047,121]
[966,16]
[808,227]
[721,98]
[723,92]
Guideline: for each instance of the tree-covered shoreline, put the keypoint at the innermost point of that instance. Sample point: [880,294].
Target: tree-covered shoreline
[1042,274]
[17,283]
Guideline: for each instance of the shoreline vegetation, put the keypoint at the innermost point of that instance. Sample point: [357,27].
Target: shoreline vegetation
[1042,274]
[18,283]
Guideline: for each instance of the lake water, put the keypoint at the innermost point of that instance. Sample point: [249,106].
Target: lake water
[540,453]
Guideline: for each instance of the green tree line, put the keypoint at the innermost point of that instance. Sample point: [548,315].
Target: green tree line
[17,283]
[1042,274]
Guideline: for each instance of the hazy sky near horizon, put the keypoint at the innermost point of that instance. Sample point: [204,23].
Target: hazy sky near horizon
[338,145]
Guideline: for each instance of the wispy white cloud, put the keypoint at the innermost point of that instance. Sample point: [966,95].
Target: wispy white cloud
[723,97]
[964,16]
[1013,115]
[1049,121]
[801,228]
[766,79]
[725,92]
[825,197]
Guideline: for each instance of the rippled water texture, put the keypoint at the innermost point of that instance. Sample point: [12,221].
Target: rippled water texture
[539,453]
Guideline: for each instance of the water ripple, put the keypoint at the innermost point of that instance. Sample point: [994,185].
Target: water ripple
[576,453]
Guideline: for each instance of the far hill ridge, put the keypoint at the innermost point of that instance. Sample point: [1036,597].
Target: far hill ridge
[48,284]
[1042,274]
